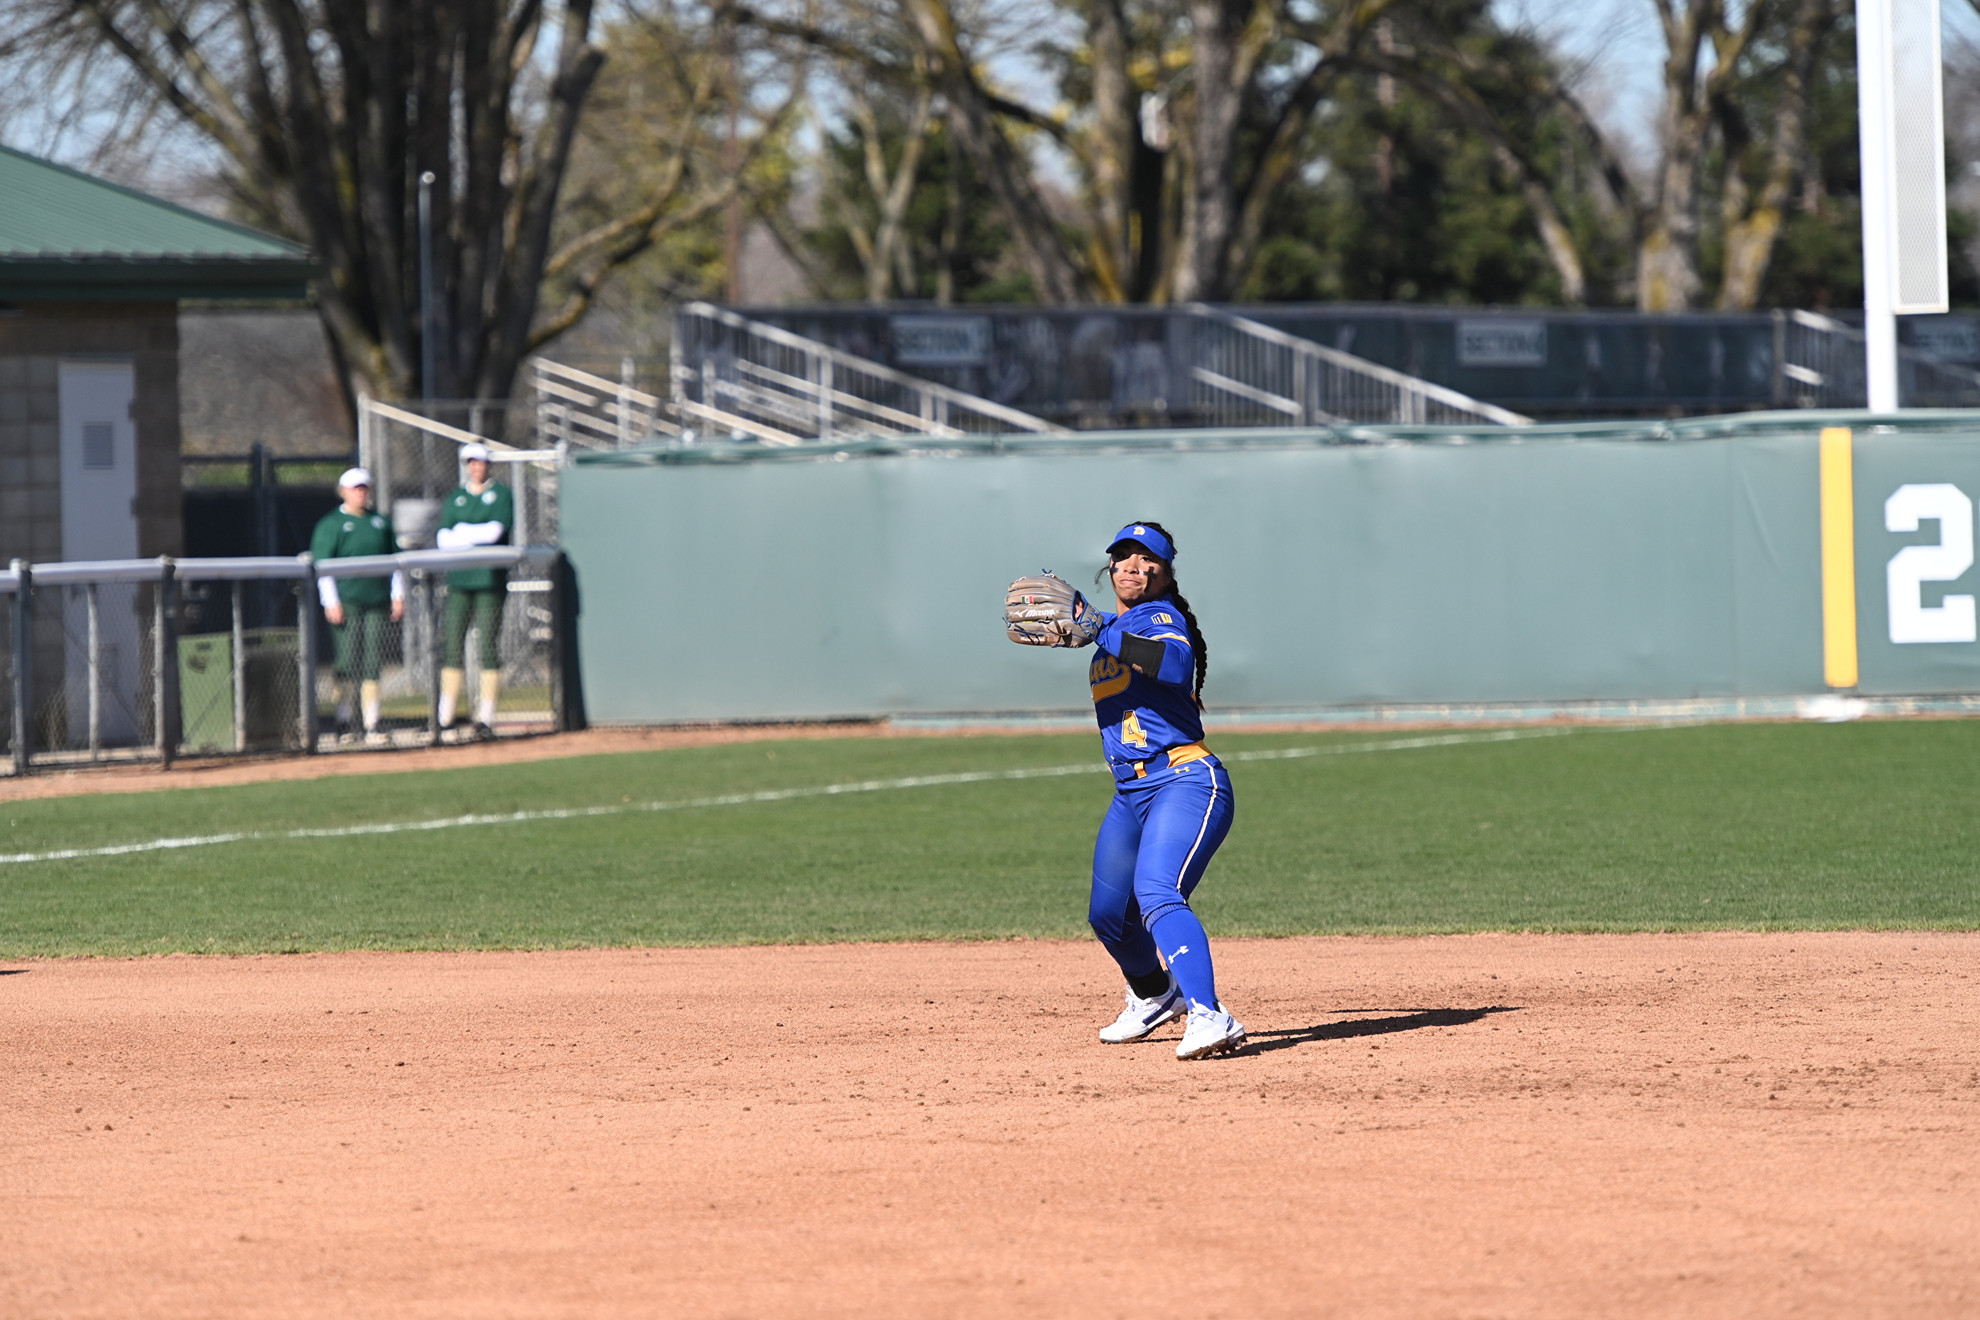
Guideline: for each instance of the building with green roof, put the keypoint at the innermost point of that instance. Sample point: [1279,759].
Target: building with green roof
[91,278]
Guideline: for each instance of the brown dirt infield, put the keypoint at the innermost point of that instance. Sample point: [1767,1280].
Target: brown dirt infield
[1548,1126]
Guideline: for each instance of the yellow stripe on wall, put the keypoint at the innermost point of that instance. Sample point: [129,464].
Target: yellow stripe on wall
[1838,559]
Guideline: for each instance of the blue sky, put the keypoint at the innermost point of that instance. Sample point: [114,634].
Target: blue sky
[1622,47]
[1618,42]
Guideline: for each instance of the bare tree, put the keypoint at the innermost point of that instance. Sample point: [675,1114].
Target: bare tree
[883,247]
[1709,103]
[1667,277]
[1723,71]
[1186,116]
[1753,216]
[685,122]
[973,117]
[326,113]
[1183,120]
[1183,167]
[1502,87]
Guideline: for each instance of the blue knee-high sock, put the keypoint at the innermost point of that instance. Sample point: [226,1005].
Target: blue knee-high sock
[1186,946]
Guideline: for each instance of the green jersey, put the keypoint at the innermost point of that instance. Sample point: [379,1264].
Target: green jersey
[341,535]
[484,519]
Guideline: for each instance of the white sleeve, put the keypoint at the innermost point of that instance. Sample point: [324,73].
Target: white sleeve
[399,585]
[326,591]
[481,533]
[447,538]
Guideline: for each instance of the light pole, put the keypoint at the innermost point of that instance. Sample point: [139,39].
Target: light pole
[426,331]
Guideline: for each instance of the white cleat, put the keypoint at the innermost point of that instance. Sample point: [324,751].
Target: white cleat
[1210,1031]
[1142,1016]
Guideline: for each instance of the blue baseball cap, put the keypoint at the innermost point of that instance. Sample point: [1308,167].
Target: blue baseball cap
[1146,537]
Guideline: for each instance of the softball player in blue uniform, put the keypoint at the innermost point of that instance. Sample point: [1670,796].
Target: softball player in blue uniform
[1172,802]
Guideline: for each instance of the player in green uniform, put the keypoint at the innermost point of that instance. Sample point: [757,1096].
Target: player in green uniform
[480,512]
[357,607]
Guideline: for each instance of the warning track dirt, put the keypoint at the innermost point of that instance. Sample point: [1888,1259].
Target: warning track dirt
[1634,1125]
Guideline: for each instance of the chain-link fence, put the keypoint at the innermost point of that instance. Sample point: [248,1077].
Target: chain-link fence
[415,461]
[414,657]
[241,655]
[10,699]
[93,638]
[158,659]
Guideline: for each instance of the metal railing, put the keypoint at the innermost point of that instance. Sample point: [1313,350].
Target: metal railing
[415,460]
[575,409]
[1820,364]
[102,660]
[1243,373]
[733,374]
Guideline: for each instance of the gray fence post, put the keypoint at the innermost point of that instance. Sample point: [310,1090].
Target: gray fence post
[519,474]
[1780,358]
[240,674]
[427,587]
[93,605]
[165,660]
[364,458]
[306,655]
[566,682]
[381,470]
[23,643]
[557,703]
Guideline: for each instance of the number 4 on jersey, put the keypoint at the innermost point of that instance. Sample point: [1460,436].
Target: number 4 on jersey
[1131,730]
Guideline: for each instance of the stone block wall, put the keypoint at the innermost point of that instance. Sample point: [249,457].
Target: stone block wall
[30,458]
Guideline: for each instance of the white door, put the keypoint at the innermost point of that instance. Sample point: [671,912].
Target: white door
[99,461]
[99,521]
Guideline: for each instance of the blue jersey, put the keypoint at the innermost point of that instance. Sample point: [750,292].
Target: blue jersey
[1142,714]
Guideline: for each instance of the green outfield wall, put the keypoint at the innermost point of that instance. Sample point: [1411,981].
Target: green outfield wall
[1328,568]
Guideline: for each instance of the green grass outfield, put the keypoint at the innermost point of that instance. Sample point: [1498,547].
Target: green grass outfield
[1740,826]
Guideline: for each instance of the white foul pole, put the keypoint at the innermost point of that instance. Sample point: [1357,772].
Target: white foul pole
[1901,133]
[1873,129]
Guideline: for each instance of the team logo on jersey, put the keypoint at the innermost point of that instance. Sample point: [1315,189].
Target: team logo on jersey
[1163,618]
[1107,676]
[487,497]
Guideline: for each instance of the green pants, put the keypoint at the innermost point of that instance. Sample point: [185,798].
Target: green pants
[484,610]
[361,641]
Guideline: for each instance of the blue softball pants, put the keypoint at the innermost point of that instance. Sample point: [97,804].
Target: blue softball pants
[1158,836]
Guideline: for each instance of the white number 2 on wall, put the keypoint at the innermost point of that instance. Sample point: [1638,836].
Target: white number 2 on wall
[1912,620]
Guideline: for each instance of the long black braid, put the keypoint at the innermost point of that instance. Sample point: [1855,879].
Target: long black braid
[1196,642]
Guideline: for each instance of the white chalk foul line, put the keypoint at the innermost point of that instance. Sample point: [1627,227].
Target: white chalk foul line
[737,799]
[1396,744]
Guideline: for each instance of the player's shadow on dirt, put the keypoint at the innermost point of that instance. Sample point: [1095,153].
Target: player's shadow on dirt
[1264,1042]
[13,971]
